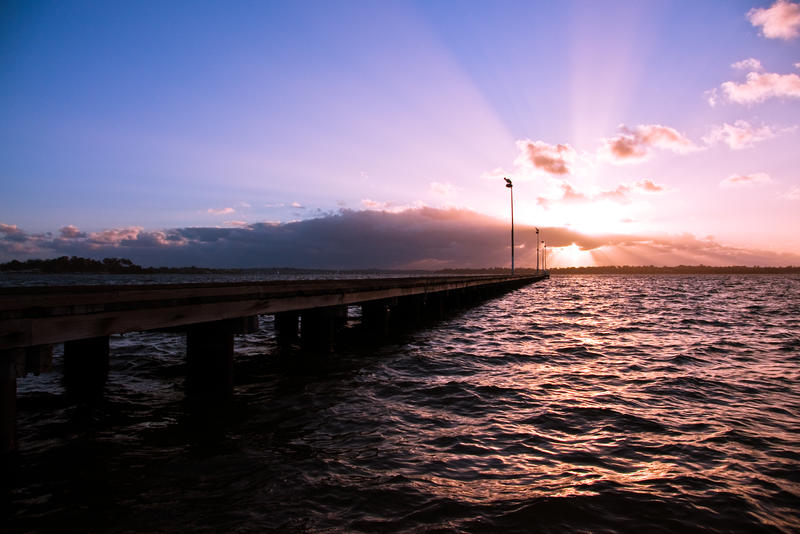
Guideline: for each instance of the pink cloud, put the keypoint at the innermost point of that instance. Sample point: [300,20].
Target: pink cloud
[749,64]
[389,207]
[114,236]
[779,21]
[685,249]
[712,97]
[621,194]
[444,189]
[649,186]
[220,211]
[793,194]
[71,232]
[739,135]
[760,86]
[364,239]
[626,146]
[745,180]
[553,159]
[634,144]
[10,229]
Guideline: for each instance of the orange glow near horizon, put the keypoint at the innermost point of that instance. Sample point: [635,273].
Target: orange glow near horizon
[571,256]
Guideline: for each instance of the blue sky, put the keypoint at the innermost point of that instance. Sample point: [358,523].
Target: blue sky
[162,115]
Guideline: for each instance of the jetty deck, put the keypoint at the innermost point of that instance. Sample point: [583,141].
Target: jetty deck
[306,312]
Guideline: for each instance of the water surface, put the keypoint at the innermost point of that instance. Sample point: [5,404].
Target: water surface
[584,403]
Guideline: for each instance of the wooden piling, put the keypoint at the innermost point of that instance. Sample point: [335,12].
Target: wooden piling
[408,311]
[287,327]
[8,402]
[209,359]
[375,316]
[318,327]
[86,363]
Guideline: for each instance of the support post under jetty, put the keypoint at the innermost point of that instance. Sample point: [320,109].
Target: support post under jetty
[33,319]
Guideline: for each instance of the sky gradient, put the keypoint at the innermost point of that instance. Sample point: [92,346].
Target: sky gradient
[260,134]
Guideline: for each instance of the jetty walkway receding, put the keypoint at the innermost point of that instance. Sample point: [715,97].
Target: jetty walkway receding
[308,312]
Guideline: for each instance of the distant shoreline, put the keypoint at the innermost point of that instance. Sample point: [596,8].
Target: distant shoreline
[641,269]
[76,265]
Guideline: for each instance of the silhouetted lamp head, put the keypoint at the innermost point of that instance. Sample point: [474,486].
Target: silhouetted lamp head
[508,182]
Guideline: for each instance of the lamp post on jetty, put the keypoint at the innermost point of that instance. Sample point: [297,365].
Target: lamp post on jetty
[544,256]
[510,186]
[537,251]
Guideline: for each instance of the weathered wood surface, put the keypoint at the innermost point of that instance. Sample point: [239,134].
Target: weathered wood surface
[45,315]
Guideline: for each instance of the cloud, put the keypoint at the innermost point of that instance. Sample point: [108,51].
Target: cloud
[389,207]
[295,205]
[444,189]
[649,186]
[114,236]
[568,196]
[621,194]
[760,86]
[745,180]
[419,238]
[552,159]
[793,193]
[220,211]
[10,230]
[712,97]
[739,135]
[71,232]
[779,21]
[633,145]
[750,64]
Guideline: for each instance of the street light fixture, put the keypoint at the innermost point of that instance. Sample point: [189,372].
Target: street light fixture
[537,251]
[510,186]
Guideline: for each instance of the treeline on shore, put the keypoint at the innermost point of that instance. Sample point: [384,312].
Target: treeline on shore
[74,264]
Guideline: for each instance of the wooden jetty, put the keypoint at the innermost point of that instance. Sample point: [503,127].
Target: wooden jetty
[310,312]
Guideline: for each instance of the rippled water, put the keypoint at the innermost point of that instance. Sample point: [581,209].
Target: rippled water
[597,403]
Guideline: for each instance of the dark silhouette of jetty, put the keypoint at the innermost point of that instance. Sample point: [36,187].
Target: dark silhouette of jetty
[309,313]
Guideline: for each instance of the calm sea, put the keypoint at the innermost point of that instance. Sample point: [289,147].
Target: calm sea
[596,403]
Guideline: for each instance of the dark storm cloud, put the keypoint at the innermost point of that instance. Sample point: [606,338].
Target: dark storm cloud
[416,238]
